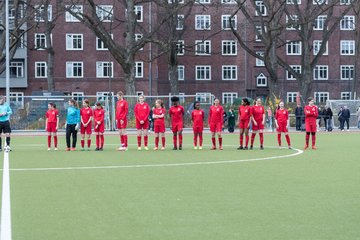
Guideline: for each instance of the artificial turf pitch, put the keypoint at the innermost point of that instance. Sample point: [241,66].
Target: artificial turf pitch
[313,195]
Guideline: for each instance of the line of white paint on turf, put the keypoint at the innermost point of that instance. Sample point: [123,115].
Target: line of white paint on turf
[297,152]
[5,228]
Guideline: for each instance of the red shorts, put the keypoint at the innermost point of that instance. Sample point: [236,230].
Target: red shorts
[99,128]
[51,127]
[86,129]
[244,124]
[145,125]
[310,126]
[282,127]
[198,129]
[260,126]
[159,128]
[177,127]
[216,127]
[123,125]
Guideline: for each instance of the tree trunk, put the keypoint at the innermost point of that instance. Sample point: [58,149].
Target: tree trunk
[173,79]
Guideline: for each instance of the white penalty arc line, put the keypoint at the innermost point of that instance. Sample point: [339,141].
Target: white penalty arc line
[298,152]
[5,227]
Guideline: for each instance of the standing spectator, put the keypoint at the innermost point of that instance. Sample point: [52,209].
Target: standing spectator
[325,117]
[329,114]
[231,119]
[258,119]
[341,118]
[176,113]
[197,118]
[269,119]
[5,112]
[99,126]
[72,124]
[216,123]
[358,117]
[121,120]
[311,113]
[52,124]
[346,116]
[299,112]
[141,112]
[318,119]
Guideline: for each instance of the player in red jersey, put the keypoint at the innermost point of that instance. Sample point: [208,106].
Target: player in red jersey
[99,126]
[159,123]
[121,120]
[176,113]
[86,117]
[282,122]
[52,124]
[311,114]
[258,120]
[244,122]
[141,112]
[197,118]
[216,122]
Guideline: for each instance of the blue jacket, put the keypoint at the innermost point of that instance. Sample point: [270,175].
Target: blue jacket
[73,115]
[5,108]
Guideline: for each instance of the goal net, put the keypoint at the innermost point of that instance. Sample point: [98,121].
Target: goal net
[352,105]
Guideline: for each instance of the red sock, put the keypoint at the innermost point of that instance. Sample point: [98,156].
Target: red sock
[156,141]
[89,143]
[252,139]
[102,141]
[175,140]
[145,141]
[180,139]
[200,139]
[82,143]
[97,141]
[139,141]
[195,139]
[307,137]
[55,141]
[241,140]
[122,140]
[213,141]
[279,138]
[313,139]
[261,138]
[288,140]
[126,140]
[220,141]
[49,141]
[163,141]
[246,140]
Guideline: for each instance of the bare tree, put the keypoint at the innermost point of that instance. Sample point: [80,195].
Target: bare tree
[356,77]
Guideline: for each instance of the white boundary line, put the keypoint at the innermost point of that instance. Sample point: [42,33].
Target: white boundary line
[5,233]
[298,152]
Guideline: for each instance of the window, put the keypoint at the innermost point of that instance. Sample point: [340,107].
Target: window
[138,93]
[317,46]
[104,69]
[139,69]
[319,22]
[77,96]
[290,2]
[293,48]
[138,37]
[321,72]
[261,80]
[347,23]
[100,45]
[229,47]
[40,69]
[259,32]
[203,1]
[180,47]
[17,98]
[105,13]
[77,9]
[292,22]
[345,2]
[181,72]
[320,2]
[175,1]
[229,72]
[203,72]
[40,13]
[260,8]
[291,97]
[347,72]
[259,62]
[321,97]
[16,69]
[204,97]
[40,41]
[347,47]
[229,97]
[228,1]
[202,22]
[203,47]
[74,69]
[139,13]
[226,21]
[296,68]
[345,95]
[180,22]
[103,96]
[74,42]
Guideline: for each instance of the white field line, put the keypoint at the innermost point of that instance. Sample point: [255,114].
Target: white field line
[298,152]
[5,227]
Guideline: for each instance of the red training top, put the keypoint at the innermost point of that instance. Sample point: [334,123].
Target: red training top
[52,115]
[141,111]
[258,113]
[86,113]
[99,115]
[121,109]
[245,112]
[311,113]
[176,113]
[159,111]
[216,114]
[198,117]
[282,115]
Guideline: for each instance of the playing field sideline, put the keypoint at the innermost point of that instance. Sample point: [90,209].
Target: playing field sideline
[188,194]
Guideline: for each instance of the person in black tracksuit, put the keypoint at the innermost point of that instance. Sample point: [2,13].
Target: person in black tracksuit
[299,112]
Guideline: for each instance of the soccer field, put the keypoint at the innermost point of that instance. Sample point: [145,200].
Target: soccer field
[188,194]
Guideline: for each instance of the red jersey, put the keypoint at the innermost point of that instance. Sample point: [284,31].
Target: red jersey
[159,111]
[52,115]
[85,114]
[176,113]
[198,117]
[282,115]
[141,111]
[99,115]
[244,112]
[121,110]
[216,114]
[258,113]
[311,113]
